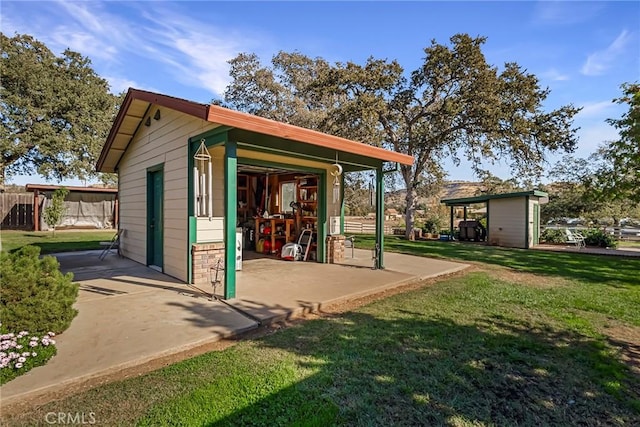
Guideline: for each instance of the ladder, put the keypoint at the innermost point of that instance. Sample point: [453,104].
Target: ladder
[305,241]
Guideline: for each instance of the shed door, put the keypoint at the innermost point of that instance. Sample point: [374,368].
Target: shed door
[154,218]
[536,223]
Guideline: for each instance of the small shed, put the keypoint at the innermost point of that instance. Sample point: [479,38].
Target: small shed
[513,219]
[203,187]
[85,207]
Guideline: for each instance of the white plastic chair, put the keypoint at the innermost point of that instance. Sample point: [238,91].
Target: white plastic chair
[575,238]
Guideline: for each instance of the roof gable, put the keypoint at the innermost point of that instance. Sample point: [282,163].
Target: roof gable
[138,103]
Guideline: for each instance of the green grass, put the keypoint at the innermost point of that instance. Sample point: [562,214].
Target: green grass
[500,345]
[600,269]
[63,241]
[628,244]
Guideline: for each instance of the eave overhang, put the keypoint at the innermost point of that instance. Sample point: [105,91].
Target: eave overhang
[138,103]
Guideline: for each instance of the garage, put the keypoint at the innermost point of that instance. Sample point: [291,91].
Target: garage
[203,188]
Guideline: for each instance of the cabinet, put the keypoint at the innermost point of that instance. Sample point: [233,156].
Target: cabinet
[307,194]
[274,233]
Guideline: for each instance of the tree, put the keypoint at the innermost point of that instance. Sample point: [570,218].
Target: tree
[56,111]
[455,104]
[618,176]
[55,211]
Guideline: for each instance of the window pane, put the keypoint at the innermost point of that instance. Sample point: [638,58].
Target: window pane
[287,195]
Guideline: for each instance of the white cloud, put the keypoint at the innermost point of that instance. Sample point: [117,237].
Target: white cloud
[197,54]
[564,12]
[600,61]
[192,51]
[554,75]
[120,84]
[595,109]
[592,136]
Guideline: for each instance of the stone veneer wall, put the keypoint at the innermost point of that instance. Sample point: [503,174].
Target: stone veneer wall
[204,257]
[335,249]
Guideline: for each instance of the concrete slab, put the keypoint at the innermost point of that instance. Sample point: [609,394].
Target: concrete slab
[127,316]
[270,289]
[130,314]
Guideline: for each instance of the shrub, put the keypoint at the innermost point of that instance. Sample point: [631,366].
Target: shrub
[35,296]
[553,235]
[600,238]
[431,225]
[21,352]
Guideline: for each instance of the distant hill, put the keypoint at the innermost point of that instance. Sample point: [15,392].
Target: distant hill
[450,190]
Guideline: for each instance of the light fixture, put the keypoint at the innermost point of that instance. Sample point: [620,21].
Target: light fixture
[156,116]
[148,122]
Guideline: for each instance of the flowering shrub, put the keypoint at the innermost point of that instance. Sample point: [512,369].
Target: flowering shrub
[21,352]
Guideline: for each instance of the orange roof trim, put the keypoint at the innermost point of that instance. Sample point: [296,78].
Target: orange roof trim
[244,121]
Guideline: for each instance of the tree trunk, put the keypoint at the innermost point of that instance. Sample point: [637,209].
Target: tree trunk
[409,214]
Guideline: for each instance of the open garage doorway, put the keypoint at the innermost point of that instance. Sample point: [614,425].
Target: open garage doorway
[277,206]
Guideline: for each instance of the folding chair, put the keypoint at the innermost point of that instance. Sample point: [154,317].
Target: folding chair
[113,244]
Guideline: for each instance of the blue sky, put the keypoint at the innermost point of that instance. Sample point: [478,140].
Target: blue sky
[582,51]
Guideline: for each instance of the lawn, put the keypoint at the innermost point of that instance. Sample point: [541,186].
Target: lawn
[522,338]
[62,241]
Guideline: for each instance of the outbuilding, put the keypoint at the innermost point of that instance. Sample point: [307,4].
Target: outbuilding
[84,207]
[202,188]
[513,219]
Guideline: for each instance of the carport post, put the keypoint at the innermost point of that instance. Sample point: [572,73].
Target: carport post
[451,224]
[230,215]
[379,217]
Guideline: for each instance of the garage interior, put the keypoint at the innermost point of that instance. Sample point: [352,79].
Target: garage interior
[275,206]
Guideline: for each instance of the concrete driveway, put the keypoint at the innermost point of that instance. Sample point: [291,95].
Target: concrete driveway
[129,314]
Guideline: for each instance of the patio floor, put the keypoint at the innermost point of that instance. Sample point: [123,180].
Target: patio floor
[129,314]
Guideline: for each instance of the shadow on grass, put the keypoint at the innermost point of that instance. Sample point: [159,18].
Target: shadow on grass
[410,369]
[610,270]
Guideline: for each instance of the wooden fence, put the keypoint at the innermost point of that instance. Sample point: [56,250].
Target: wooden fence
[351,227]
[17,211]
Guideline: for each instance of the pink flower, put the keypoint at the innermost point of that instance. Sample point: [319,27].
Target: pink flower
[18,365]
[22,359]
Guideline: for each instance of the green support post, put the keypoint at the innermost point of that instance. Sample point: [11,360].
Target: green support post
[379,217]
[230,215]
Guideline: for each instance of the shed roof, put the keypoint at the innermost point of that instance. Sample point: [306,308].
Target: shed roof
[485,197]
[137,104]
[47,187]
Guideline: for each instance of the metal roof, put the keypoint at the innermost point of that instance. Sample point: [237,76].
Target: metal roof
[485,197]
[47,187]
[137,105]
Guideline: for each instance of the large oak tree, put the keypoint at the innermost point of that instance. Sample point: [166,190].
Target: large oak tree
[454,105]
[55,111]
[618,176]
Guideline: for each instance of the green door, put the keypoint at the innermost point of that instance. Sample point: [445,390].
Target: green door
[536,223]
[154,218]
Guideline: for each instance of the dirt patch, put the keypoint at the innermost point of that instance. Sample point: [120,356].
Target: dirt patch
[627,339]
[37,399]
[528,279]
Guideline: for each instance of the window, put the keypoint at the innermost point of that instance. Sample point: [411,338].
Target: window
[287,195]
